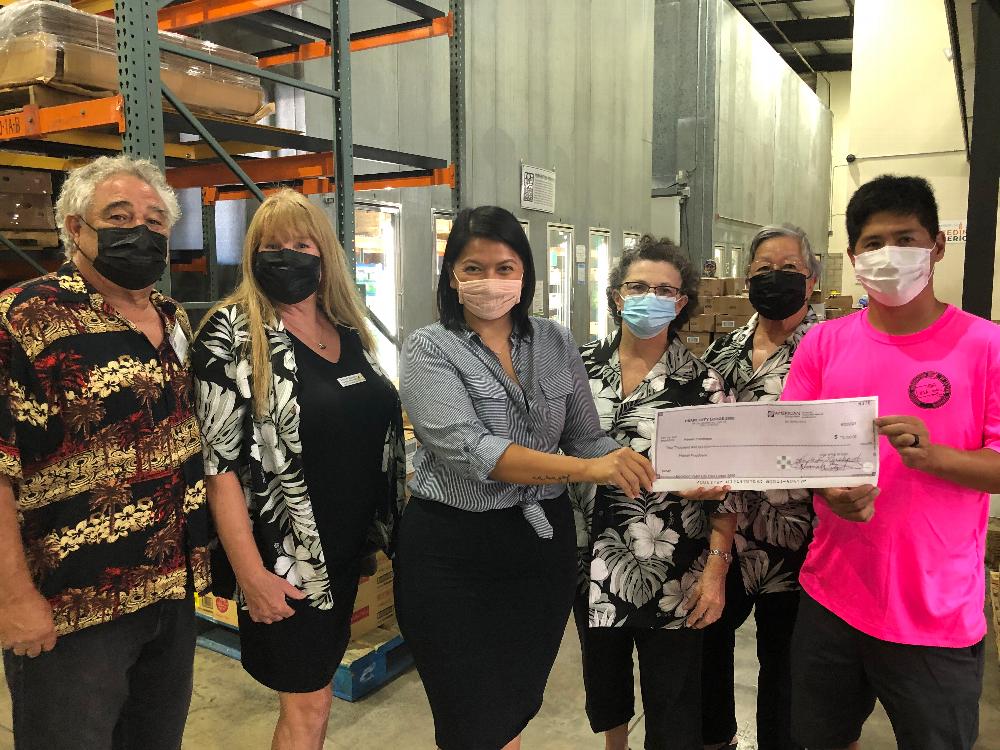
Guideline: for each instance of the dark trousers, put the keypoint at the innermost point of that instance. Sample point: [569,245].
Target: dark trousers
[125,684]
[775,617]
[669,677]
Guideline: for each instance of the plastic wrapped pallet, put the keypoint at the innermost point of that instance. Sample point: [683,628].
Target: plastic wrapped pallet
[55,44]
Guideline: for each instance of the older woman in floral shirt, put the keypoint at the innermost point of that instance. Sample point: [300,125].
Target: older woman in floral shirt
[653,569]
[774,527]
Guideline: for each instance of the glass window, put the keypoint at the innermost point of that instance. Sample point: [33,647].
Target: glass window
[599,268]
[376,253]
[560,257]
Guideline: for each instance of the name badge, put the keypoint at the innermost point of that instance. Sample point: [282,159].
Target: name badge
[179,342]
[350,380]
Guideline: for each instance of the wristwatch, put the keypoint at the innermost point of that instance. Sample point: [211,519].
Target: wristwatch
[726,557]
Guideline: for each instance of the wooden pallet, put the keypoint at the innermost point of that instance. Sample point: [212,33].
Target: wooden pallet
[371,661]
[40,95]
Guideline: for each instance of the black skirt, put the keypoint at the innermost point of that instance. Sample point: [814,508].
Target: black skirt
[301,653]
[483,603]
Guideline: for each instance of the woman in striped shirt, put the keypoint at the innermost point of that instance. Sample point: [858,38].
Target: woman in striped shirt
[485,565]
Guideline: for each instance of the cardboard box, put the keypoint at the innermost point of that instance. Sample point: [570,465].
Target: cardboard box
[843,302]
[706,305]
[816,296]
[729,323]
[375,603]
[45,58]
[703,322]
[736,285]
[26,211]
[710,287]
[733,305]
[25,181]
[696,341]
[217,609]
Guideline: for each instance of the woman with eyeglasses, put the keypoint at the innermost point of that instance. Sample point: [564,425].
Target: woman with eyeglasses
[652,569]
[775,527]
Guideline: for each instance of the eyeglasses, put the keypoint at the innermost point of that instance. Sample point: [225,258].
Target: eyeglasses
[640,288]
[758,269]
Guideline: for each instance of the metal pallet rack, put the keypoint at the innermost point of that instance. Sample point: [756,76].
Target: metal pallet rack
[57,137]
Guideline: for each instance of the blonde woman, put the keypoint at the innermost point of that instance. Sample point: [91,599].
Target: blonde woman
[303,455]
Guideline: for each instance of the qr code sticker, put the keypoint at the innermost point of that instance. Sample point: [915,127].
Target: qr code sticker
[528,189]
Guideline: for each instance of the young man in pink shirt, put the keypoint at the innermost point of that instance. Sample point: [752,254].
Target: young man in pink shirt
[893,585]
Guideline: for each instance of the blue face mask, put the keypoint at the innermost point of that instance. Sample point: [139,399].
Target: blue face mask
[648,316]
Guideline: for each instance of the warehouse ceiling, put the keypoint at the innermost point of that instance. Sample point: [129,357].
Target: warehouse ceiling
[810,35]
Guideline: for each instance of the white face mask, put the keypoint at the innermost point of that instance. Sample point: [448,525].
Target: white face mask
[894,275]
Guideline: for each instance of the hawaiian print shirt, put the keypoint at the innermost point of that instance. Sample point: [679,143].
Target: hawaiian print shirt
[640,559]
[774,527]
[98,437]
[266,454]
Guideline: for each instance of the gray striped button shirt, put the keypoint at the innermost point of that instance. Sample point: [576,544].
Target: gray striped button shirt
[466,411]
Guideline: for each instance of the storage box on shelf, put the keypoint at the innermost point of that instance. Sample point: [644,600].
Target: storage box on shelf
[729,323]
[712,287]
[696,341]
[66,49]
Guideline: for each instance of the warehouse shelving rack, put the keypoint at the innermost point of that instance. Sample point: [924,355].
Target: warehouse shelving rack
[137,122]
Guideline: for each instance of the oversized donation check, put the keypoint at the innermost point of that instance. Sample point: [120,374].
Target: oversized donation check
[759,445]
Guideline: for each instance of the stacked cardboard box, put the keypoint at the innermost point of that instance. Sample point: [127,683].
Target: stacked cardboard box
[56,46]
[26,216]
[375,605]
[216,609]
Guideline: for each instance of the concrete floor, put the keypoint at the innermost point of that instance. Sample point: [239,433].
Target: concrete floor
[232,712]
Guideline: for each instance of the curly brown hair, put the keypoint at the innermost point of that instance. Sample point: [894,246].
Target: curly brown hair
[659,250]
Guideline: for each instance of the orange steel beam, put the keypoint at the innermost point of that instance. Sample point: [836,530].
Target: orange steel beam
[321,185]
[281,169]
[33,121]
[198,12]
[442,26]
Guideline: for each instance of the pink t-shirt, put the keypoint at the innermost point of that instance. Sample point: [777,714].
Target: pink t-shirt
[914,573]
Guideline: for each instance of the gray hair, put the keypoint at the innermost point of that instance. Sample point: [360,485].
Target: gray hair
[77,192]
[812,261]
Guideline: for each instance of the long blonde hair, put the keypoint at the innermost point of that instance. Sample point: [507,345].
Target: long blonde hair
[288,213]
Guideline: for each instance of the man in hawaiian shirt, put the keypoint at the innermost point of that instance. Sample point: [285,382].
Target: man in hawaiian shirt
[103,522]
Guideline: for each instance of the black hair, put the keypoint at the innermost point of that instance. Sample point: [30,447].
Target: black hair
[660,250]
[903,196]
[491,223]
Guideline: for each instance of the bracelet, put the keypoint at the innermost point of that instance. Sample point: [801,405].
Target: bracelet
[726,557]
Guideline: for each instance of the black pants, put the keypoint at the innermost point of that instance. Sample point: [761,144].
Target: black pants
[125,684]
[669,679]
[930,693]
[775,617]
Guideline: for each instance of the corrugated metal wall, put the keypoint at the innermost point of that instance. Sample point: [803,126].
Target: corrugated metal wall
[756,135]
[563,84]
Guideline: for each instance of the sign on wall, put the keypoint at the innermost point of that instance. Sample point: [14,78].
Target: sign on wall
[954,230]
[538,189]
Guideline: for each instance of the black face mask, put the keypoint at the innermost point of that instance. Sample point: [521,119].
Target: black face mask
[286,276]
[777,295]
[131,257]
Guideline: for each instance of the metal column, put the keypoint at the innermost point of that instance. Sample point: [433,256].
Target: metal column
[343,135]
[984,166]
[456,51]
[139,78]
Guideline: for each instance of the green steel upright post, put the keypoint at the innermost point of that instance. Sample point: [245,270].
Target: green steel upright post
[456,67]
[139,79]
[343,135]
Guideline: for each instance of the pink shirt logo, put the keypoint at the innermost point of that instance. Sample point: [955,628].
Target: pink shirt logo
[930,390]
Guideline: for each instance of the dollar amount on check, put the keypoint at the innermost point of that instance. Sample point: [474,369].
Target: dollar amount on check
[758,446]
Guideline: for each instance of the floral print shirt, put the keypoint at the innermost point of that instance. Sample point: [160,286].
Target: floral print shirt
[773,527]
[266,454]
[640,559]
[99,439]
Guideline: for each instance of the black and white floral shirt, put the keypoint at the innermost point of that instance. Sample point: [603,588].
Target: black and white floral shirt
[266,453]
[774,527]
[640,559]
